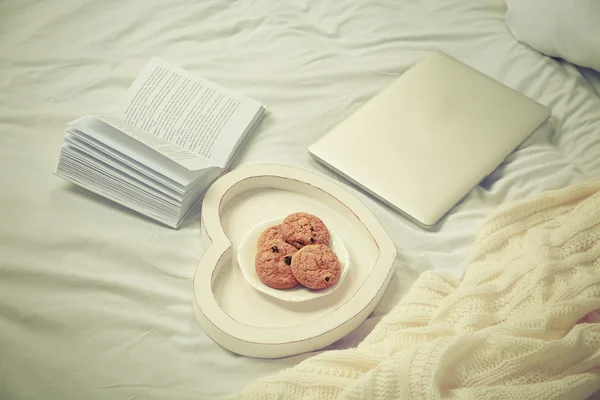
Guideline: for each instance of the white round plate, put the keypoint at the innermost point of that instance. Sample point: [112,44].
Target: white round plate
[246,254]
[252,323]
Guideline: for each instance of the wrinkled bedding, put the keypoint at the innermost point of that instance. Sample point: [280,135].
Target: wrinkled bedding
[95,300]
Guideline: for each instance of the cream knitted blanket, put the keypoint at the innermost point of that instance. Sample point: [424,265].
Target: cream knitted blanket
[520,325]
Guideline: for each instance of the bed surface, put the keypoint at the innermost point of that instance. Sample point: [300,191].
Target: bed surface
[95,300]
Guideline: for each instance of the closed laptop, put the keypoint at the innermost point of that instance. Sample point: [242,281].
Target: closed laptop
[431,136]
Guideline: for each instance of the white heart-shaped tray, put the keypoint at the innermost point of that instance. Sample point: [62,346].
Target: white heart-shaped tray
[251,323]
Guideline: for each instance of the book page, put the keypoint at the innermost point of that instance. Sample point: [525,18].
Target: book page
[149,161]
[190,112]
[181,156]
[87,152]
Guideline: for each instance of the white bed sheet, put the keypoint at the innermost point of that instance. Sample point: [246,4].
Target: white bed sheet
[95,301]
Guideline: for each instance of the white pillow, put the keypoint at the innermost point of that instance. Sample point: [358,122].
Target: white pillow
[568,29]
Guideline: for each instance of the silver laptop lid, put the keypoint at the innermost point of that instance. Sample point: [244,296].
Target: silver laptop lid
[422,143]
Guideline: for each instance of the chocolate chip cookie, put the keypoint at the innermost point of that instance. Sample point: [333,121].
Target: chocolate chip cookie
[273,264]
[316,266]
[303,229]
[272,233]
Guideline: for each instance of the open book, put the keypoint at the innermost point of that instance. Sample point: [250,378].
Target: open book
[172,137]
